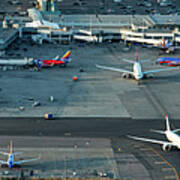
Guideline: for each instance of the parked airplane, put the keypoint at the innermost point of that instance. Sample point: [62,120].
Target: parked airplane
[38,62]
[38,20]
[170,61]
[172,137]
[164,45]
[43,24]
[137,72]
[167,47]
[10,161]
[54,62]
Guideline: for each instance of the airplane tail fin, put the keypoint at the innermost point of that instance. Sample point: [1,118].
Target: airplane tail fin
[11,147]
[66,56]
[163,43]
[167,123]
[167,127]
[137,56]
[11,151]
[56,58]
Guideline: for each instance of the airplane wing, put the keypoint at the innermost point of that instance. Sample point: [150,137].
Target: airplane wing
[4,153]
[141,61]
[129,61]
[150,140]
[158,131]
[176,130]
[159,70]
[3,162]
[114,69]
[17,153]
[26,160]
[145,60]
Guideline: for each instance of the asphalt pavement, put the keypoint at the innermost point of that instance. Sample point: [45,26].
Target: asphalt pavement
[114,129]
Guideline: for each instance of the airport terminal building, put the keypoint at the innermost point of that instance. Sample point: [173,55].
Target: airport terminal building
[49,24]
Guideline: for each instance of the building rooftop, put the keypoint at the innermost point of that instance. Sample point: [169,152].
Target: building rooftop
[166,19]
[94,7]
[5,34]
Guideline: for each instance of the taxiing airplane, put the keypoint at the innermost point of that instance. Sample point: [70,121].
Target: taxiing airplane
[137,72]
[10,161]
[172,137]
[170,61]
[63,61]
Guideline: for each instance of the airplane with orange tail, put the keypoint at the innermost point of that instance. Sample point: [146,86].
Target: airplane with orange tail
[63,61]
[10,161]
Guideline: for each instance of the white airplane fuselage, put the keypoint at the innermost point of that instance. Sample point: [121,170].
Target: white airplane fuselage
[174,138]
[137,69]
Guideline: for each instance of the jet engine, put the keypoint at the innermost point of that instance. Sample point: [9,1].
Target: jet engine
[17,166]
[148,76]
[4,165]
[126,75]
[166,147]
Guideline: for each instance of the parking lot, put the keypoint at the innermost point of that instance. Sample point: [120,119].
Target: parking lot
[19,7]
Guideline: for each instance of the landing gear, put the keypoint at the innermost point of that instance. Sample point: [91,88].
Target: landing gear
[139,82]
[4,166]
[63,65]
[17,166]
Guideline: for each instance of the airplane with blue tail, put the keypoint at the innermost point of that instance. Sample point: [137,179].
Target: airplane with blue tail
[11,163]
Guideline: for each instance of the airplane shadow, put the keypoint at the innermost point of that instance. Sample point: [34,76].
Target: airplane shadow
[163,79]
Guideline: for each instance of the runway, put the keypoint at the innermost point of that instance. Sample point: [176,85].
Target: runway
[82,127]
[40,133]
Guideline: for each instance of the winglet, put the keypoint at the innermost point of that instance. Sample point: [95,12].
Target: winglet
[163,43]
